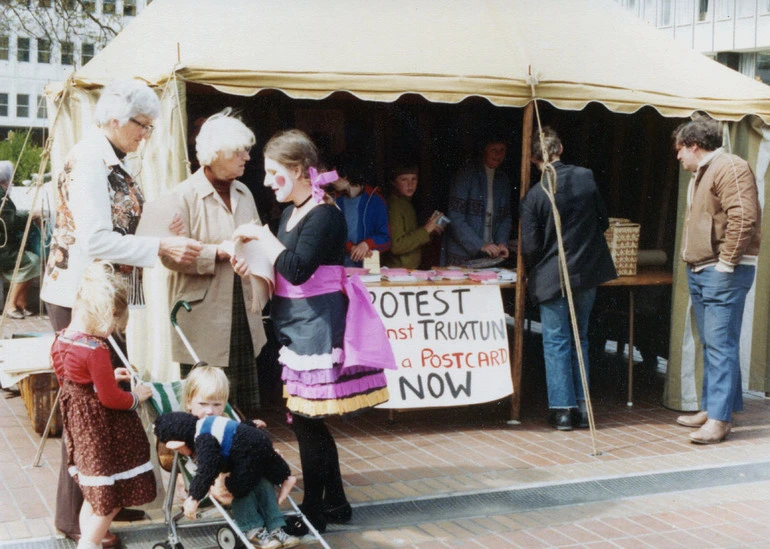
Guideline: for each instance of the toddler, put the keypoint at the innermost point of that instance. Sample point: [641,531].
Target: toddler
[206,391]
[107,450]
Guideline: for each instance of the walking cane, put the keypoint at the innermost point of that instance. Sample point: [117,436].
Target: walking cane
[193,354]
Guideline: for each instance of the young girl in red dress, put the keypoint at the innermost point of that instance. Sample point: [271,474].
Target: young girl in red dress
[107,450]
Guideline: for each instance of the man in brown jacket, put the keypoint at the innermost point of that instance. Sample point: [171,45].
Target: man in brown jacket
[720,244]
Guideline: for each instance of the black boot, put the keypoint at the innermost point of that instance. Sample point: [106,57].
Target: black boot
[579,418]
[560,418]
[341,514]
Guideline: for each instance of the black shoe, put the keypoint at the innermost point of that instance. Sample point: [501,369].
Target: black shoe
[579,419]
[341,514]
[316,518]
[560,418]
[295,526]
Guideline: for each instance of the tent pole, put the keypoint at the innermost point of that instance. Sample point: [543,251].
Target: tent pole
[521,285]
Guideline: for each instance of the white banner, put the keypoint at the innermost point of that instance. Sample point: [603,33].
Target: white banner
[450,342]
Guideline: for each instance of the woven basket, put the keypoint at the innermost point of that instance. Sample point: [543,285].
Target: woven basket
[623,240]
[39,393]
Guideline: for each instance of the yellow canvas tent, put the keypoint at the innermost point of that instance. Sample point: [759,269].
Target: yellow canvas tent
[567,53]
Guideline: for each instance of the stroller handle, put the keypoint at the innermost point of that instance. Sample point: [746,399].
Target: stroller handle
[179,304]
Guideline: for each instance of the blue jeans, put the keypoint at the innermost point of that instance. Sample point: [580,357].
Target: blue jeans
[562,369]
[258,509]
[717,303]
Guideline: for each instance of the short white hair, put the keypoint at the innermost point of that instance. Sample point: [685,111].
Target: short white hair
[222,133]
[6,172]
[125,99]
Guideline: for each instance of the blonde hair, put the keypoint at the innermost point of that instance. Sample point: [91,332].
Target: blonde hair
[102,299]
[207,382]
[222,133]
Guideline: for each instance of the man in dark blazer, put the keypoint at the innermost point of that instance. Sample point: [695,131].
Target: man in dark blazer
[589,263]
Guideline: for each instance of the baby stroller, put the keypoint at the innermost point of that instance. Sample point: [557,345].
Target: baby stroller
[167,397]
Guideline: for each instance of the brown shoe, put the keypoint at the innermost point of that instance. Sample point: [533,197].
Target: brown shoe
[109,541]
[694,420]
[712,432]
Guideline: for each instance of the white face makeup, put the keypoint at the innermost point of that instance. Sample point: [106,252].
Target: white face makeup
[279,179]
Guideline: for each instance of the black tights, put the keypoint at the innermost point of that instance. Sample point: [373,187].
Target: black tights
[320,466]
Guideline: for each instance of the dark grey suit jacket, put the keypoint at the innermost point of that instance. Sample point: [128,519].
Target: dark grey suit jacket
[583,222]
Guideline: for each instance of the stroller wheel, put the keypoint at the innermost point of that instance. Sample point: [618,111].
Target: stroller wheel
[227,539]
[167,545]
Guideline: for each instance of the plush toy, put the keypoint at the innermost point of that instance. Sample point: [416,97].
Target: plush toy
[222,444]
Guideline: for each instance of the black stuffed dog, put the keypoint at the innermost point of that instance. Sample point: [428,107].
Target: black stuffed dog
[220,445]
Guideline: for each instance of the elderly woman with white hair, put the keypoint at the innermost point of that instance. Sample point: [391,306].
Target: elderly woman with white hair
[225,323]
[98,206]
[12,230]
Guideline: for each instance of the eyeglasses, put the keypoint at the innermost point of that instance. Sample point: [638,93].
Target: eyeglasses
[145,127]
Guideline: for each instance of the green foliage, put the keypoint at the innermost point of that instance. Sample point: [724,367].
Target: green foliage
[11,149]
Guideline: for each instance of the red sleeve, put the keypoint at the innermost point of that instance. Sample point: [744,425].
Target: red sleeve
[103,377]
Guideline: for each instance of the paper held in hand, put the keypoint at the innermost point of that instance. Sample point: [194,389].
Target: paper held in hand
[256,258]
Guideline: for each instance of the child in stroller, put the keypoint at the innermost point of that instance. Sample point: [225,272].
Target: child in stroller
[254,506]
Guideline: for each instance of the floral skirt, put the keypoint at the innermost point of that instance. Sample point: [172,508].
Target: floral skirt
[107,451]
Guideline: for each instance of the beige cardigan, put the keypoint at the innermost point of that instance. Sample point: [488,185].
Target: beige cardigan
[207,285]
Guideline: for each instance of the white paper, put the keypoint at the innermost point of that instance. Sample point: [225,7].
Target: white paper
[256,258]
[157,215]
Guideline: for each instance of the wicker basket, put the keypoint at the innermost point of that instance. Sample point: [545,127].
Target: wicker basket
[623,240]
[39,393]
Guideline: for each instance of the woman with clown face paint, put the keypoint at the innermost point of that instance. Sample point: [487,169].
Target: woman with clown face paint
[334,346]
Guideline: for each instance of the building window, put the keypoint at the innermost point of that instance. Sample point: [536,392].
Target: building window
[22,49]
[4,47]
[684,12]
[86,53]
[44,3]
[704,13]
[42,108]
[108,7]
[22,105]
[89,6]
[764,6]
[724,11]
[67,53]
[762,67]
[68,4]
[129,7]
[43,51]
[3,104]
[665,13]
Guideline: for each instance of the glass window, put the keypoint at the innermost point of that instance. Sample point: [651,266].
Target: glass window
[44,3]
[764,6]
[22,49]
[684,12]
[3,104]
[108,7]
[68,4]
[86,53]
[4,47]
[42,108]
[67,53]
[724,10]
[762,68]
[89,6]
[746,7]
[129,7]
[664,15]
[22,105]
[43,51]
[704,13]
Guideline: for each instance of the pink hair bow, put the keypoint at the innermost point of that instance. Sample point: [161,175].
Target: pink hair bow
[319,180]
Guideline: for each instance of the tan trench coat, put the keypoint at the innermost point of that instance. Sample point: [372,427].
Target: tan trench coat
[207,285]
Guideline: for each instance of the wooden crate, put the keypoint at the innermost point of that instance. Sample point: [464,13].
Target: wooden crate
[39,392]
[623,240]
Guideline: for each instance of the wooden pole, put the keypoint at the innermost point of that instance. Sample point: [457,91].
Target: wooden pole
[517,355]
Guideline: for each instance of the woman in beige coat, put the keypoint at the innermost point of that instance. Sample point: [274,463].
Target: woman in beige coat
[225,324]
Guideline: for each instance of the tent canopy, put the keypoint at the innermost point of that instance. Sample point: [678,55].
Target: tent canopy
[445,50]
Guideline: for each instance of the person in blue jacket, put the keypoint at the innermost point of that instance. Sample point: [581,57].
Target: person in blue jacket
[480,208]
[366,214]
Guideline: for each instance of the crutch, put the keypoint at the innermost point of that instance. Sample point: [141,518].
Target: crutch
[193,354]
